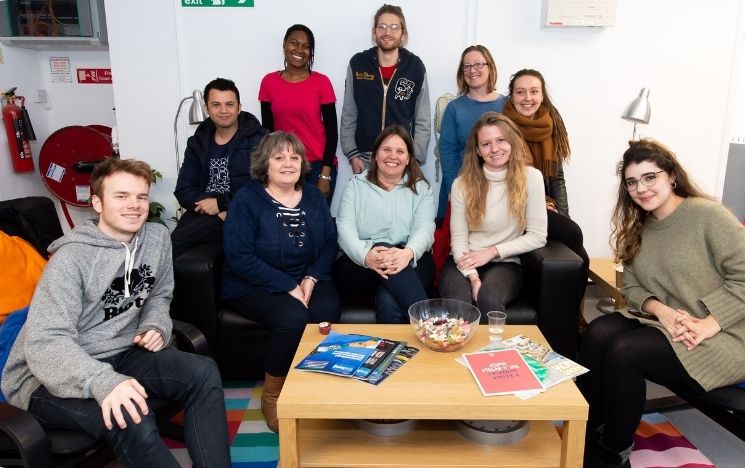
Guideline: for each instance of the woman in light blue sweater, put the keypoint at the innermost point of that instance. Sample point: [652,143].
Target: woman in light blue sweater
[477,80]
[386,227]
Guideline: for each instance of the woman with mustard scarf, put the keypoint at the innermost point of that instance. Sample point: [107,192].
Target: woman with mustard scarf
[545,135]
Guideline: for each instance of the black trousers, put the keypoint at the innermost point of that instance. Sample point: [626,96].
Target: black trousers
[194,228]
[621,353]
[286,317]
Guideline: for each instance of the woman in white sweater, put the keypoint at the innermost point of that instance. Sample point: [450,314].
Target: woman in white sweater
[498,212]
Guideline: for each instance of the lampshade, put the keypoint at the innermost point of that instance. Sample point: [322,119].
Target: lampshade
[197,114]
[638,110]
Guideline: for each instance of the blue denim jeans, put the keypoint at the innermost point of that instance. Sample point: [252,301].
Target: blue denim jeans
[171,374]
[393,296]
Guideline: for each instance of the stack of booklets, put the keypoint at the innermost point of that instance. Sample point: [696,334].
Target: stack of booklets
[362,357]
[507,371]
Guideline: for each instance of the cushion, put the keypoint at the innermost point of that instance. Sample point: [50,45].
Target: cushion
[8,333]
[21,268]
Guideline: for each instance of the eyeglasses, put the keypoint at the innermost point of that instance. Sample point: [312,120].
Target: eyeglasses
[477,66]
[382,27]
[647,179]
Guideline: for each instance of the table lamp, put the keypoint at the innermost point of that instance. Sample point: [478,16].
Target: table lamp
[197,114]
[638,110]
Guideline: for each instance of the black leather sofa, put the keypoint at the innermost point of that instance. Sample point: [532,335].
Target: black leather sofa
[551,299]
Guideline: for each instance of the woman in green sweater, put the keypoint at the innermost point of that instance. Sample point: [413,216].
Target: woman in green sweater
[684,279]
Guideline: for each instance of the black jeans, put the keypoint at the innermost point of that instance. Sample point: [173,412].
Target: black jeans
[194,228]
[621,353]
[286,317]
[171,374]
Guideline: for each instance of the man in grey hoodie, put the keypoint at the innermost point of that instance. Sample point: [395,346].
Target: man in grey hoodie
[94,346]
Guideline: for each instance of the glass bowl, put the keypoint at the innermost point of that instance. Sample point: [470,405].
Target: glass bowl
[444,324]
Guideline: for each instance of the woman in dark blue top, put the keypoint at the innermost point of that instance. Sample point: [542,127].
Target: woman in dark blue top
[280,243]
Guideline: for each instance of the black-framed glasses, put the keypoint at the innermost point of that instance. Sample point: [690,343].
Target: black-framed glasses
[383,27]
[478,66]
[647,179]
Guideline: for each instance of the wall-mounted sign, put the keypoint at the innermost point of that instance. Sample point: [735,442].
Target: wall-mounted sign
[217,3]
[94,75]
[60,69]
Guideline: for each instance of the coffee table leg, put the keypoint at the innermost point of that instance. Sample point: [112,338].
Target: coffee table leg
[573,444]
[288,443]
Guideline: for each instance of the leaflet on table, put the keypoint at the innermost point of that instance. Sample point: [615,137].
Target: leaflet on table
[384,371]
[348,355]
[559,368]
[502,372]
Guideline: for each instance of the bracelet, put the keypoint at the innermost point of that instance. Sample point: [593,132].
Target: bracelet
[325,177]
[311,278]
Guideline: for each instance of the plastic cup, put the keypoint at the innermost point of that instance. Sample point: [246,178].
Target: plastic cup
[496,324]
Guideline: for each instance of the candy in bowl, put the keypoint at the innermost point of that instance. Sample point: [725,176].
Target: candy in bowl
[444,324]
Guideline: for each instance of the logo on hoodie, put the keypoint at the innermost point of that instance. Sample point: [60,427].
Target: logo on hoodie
[140,284]
[404,89]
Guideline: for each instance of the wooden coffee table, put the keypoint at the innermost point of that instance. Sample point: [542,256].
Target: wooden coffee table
[604,272]
[315,412]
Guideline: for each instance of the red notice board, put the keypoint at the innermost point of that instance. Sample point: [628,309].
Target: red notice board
[94,75]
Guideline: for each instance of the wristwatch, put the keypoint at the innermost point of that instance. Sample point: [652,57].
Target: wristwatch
[325,177]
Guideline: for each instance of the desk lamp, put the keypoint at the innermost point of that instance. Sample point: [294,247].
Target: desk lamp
[197,114]
[638,110]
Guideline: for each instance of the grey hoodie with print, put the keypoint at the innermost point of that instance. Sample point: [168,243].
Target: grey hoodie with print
[94,296]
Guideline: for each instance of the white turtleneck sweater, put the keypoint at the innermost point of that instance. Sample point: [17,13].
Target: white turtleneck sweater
[499,228]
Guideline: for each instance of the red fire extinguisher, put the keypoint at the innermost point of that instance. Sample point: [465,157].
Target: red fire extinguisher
[20,132]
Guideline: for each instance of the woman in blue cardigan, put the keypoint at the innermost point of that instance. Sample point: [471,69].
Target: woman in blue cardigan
[280,243]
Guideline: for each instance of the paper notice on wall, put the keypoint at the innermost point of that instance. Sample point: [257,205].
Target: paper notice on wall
[55,172]
[83,193]
[60,69]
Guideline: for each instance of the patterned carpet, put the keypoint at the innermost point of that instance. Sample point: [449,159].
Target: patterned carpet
[657,442]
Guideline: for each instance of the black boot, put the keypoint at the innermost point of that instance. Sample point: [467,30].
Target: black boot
[598,455]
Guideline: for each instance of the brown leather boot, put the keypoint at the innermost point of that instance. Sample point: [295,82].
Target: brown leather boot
[272,387]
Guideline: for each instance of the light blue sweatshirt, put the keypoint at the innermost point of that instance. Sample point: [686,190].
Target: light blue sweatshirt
[369,215]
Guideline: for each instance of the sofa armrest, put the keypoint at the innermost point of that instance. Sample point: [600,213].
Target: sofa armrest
[190,339]
[27,435]
[553,278]
[32,218]
[197,275]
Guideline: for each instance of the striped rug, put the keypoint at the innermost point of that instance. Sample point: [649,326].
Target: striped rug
[657,442]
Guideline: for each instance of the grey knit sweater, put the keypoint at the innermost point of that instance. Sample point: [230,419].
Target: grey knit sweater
[694,259]
[94,296]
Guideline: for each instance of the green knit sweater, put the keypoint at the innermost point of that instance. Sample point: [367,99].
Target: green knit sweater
[694,259]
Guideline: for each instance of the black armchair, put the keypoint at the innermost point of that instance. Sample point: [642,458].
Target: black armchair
[550,300]
[23,442]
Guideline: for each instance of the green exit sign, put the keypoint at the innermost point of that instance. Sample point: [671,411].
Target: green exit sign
[217,3]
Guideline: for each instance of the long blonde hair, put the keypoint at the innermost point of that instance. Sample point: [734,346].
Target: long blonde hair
[472,181]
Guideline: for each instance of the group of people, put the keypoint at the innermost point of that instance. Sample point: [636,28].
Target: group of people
[264,189]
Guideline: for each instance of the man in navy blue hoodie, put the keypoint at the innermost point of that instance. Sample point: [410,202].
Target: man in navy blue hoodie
[217,163]
[385,85]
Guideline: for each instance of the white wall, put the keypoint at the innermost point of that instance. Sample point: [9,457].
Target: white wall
[67,104]
[684,51]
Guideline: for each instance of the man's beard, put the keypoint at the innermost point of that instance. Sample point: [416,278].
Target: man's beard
[385,48]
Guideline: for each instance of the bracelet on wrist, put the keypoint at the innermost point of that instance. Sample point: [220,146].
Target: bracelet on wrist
[327,178]
[311,278]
